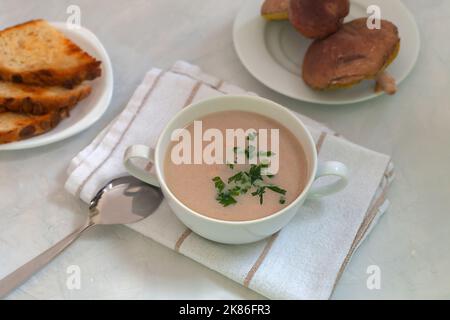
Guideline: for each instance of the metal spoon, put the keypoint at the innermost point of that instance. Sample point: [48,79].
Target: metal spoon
[122,201]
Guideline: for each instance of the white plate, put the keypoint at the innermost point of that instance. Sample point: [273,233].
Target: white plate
[89,110]
[273,51]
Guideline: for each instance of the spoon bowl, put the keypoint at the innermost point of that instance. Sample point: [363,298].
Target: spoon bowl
[124,200]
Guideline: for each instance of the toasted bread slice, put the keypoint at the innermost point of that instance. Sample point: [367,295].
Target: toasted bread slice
[39,100]
[16,126]
[36,53]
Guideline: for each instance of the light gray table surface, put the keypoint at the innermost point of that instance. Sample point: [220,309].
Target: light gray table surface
[410,244]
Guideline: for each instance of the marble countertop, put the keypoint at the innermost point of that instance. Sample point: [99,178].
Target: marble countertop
[410,243]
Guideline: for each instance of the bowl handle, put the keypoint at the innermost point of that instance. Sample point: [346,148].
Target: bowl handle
[140,152]
[330,168]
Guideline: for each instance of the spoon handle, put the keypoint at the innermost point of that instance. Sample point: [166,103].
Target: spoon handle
[16,278]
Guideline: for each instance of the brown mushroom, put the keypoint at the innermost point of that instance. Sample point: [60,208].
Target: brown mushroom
[351,55]
[317,19]
[275,9]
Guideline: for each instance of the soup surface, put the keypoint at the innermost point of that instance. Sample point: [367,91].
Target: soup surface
[195,184]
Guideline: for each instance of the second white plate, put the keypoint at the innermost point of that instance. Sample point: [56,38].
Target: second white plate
[273,51]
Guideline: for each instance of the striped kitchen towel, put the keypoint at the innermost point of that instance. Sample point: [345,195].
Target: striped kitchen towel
[302,261]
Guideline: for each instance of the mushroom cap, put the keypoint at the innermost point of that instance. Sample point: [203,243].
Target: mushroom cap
[275,9]
[317,19]
[352,54]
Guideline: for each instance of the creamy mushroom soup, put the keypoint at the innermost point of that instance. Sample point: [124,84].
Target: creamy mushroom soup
[238,182]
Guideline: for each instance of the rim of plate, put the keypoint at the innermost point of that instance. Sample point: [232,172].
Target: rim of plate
[253,6]
[96,111]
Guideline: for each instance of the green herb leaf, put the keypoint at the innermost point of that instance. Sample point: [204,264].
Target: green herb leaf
[255,173]
[245,181]
[276,189]
[219,184]
[252,136]
[235,191]
[236,178]
[225,199]
[260,193]
[266,153]
[250,151]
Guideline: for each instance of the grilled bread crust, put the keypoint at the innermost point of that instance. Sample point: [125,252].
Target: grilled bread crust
[16,126]
[38,100]
[36,53]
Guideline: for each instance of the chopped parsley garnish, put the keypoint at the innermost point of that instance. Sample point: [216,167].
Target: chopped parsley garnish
[252,136]
[235,191]
[219,184]
[248,180]
[237,177]
[225,199]
[266,153]
[255,172]
[260,193]
[277,189]
[250,151]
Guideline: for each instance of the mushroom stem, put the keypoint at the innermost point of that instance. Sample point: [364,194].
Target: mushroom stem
[385,82]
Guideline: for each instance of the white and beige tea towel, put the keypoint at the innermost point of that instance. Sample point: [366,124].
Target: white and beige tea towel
[306,258]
